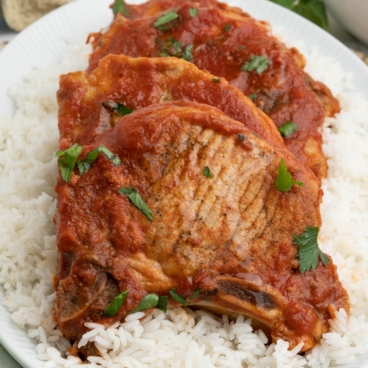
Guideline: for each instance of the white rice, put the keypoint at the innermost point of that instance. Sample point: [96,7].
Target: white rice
[181,338]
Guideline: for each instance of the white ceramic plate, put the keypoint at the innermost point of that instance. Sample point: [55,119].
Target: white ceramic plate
[42,44]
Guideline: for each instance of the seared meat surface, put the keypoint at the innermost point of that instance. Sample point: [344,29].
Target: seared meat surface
[230,236]
[140,82]
[223,40]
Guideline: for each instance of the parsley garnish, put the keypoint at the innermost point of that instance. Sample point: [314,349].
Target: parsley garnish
[165,22]
[227,27]
[137,200]
[195,294]
[253,96]
[116,304]
[171,48]
[284,180]
[174,48]
[178,298]
[258,63]
[287,129]
[149,301]
[308,250]
[207,173]
[216,80]
[119,7]
[162,303]
[67,160]
[187,55]
[123,110]
[117,107]
[193,12]
[83,166]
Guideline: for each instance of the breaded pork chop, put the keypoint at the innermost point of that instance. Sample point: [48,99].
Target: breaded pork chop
[229,236]
[232,45]
[86,100]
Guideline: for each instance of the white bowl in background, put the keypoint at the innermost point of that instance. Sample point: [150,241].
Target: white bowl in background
[352,14]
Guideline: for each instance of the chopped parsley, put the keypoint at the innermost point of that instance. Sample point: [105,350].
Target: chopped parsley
[165,22]
[67,160]
[284,180]
[178,298]
[137,200]
[253,96]
[117,107]
[116,304]
[308,250]
[119,7]
[195,294]
[174,48]
[257,63]
[216,80]
[171,48]
[227,27]
[207,173]
[287,129]
[83,166]
[149,301]
[193,12]
[162,303]
[187,54]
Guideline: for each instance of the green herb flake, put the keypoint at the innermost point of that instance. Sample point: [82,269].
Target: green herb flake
[253,96]
[195,294]
[287,129]
[149,301]
[67,160]
[284,180]
[171,48]
[257,63]
[118,107]
[187,55]
[123,110]
[216,80]
[165,22]
[116,304]
[207,173]
[137,200]
[119,7]
[162,303]
[308,250]
[178,298]
[241,47]
[227,27]
[193,12]
[84,166]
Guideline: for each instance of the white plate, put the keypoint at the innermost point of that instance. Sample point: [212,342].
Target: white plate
[41,44]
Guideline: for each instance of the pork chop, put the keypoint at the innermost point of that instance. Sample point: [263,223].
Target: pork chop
[229,236]
[85,99]
[232,45]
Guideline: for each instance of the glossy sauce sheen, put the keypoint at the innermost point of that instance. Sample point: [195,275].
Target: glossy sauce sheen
[223,40]
[206,233]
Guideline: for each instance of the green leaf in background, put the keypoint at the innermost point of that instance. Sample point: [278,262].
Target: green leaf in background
[313,10]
